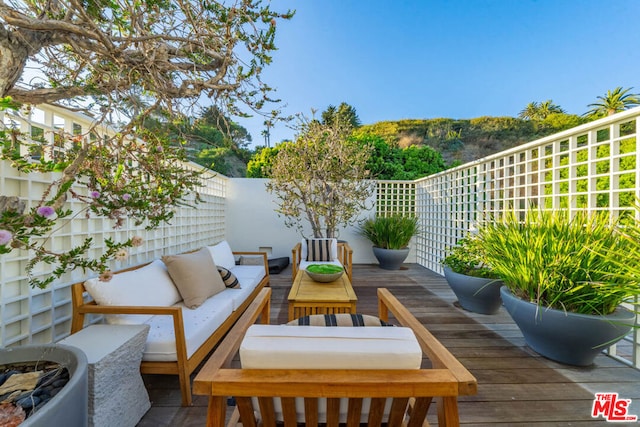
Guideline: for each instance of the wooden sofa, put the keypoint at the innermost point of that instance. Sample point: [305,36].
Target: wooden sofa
[345,256]
[183,367]
[411,391]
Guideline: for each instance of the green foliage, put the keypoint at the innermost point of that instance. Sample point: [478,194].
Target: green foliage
[466,258]
[390,232]
[562,262]
[344,113]
[613,102]
[321,178]
[260,164]
[459,140]
[540,111]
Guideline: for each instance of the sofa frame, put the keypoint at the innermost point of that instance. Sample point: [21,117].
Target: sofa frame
[183,366]
[412,390]
[345,256]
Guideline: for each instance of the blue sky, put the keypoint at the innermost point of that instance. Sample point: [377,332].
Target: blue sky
[420,59]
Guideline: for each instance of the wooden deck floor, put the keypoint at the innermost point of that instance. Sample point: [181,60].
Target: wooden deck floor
[516,387]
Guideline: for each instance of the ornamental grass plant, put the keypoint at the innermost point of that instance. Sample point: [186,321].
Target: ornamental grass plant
[580,263]
[390,232]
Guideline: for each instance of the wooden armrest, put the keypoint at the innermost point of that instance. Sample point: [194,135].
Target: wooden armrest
[227,349]
[333,383]
[175,312]
[296,255]
[440,357]
[93,308]
[345,255]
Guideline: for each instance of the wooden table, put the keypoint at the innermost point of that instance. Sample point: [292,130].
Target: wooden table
[309,297]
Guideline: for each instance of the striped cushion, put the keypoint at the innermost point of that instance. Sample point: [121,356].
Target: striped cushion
[319,250]
[341,319]
[229,279]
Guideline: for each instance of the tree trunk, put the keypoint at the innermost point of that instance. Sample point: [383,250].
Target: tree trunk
[15,50]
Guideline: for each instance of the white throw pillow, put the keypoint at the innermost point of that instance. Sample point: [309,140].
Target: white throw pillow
[222,255]
[150,285]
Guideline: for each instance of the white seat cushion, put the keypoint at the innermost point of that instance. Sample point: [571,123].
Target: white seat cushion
[249,276]
[199,324]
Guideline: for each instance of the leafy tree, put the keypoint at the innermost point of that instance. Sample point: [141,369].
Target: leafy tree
[104,50]
[161,59]
[321,177]
[419,161]
[262,161]
[345,113]
[390,162]
[540,111]
[613,102]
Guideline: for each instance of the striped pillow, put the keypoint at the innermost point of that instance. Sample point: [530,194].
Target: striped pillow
[319,250]
[341,319]
[229,279]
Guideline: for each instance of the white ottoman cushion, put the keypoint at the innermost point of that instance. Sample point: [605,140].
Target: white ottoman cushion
[320,347]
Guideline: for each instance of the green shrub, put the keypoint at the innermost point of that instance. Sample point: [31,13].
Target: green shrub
[466,258]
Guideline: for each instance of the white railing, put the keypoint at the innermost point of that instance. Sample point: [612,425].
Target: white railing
[594,166]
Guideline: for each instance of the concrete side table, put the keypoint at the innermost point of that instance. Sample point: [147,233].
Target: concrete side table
[117,395]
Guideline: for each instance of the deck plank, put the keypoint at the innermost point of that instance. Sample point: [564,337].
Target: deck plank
[516,387]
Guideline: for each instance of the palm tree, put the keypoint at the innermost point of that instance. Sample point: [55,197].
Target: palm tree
[613,102]
[539,111]
[548,107]
[530,112]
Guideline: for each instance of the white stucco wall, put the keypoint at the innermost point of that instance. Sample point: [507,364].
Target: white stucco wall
[253,224]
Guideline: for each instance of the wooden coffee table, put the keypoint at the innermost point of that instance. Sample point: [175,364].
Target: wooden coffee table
[308,297]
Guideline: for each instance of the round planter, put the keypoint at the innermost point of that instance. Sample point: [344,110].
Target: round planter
[69,407]
[475,294]
[390,259]
[570,338]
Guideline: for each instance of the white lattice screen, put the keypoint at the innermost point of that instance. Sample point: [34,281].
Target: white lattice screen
[42,316]
[593,166]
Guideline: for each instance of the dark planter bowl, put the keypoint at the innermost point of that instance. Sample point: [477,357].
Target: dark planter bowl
[390,259]
[69,407]
[475,294]
[570,338]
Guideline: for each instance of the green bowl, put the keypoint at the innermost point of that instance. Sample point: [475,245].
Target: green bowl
[324,273]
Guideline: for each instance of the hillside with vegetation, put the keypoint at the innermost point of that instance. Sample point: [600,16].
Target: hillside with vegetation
[464,140]
[402,149]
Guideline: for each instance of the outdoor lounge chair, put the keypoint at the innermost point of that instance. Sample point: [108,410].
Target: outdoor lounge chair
[340,254]
[407,393]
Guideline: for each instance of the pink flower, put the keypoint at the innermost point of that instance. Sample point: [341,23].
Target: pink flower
[121,255]
[95,194]
[5,237]
[126,197]
[45,211]
[137,241]
[105,277]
